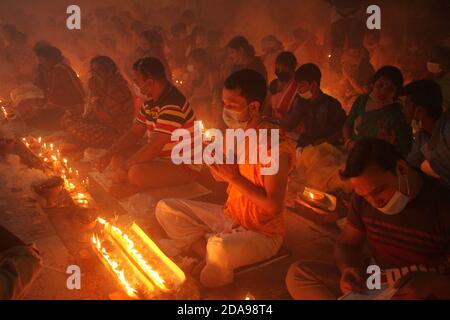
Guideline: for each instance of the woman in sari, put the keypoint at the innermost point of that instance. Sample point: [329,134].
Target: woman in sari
[378,115]
[62,88]
[109,109]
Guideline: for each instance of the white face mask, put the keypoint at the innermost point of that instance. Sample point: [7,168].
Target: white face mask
[307,95]
[231,119]
[434,68]
[398,202]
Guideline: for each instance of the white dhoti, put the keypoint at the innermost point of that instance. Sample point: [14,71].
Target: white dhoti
[229,245]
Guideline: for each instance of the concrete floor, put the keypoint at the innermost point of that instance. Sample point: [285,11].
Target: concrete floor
[61,246]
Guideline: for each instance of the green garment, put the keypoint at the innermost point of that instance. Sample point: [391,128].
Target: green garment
[368,124]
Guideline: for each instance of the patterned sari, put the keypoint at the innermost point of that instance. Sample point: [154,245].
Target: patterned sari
[109,113]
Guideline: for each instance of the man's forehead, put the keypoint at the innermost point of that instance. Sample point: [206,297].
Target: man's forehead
[232,95]
[303,83]
[372,178]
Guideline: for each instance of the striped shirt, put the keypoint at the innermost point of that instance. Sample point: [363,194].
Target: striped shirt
[419,235]
[170,112]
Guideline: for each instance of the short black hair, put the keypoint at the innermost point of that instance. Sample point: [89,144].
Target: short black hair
[308,72]
[288,59]
[150,68]
[153,37]
[427,94]
[393,74]
[105,62]
[239,42]
[371,152]
[49,52]
[251,83]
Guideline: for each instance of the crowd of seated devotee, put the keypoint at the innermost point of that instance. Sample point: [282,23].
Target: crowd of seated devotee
[386,112]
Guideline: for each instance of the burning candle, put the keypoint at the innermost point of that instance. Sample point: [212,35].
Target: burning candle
[58,153]
[65,163]
[55,162]
[45,145]
[315,196]
[51,146]
[249,296]
[27,144]
[39,140]
[77,174]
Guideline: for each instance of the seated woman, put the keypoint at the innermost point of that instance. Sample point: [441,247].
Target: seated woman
[16,55]
[108,111]
[356,74]
[200,83]
[242,55]
[378,115]
[62,88]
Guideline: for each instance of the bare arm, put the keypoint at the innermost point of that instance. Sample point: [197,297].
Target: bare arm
[271,196]
[428,170]
[348,248]
[151,150]
[133,135]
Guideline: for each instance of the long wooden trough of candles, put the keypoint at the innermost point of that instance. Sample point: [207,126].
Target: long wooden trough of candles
[141,269]
[51,161]
[136,263]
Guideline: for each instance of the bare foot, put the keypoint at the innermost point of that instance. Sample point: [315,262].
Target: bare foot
[198,268]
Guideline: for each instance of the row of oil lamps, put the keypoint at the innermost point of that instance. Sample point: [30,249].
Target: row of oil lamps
[51,156]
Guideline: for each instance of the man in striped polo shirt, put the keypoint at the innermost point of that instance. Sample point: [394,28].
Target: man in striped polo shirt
[403,216]
[139,167]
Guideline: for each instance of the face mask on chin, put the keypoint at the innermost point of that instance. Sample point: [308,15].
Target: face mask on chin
[231,119]
[398,202]
[306,95]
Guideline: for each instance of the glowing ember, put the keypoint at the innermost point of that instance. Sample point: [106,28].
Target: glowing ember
[249,296]
[113,266]
[150,266]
